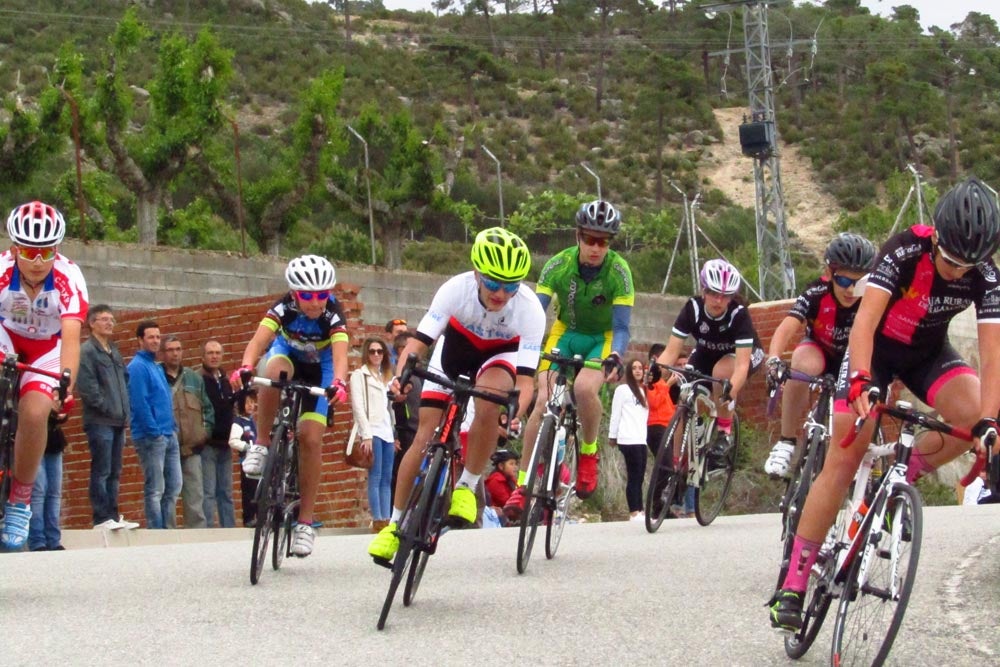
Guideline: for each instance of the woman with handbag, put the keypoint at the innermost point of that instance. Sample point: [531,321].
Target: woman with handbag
[373,424]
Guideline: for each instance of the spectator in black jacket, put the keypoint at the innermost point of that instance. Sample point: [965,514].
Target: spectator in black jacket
[216,457]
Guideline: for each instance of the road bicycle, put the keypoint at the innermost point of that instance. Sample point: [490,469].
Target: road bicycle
[10,384]
[816,431]
[869,560]
[424,519]
[710,475]
[551,479]
[278,495]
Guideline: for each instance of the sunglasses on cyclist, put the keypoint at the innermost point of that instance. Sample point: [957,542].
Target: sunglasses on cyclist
[495,285]
[321,295]
[952,262]
[599,241]
[844,281]
[36,254]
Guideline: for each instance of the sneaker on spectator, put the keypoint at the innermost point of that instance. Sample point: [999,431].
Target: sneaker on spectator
[303,538]
[586,475]
[384,545]
[15,525]
[109,524]
[638,517]
[127,525]
[514,506]
[253,464]
[780,459]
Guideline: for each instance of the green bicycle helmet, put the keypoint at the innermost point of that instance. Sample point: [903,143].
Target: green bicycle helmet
[501,255]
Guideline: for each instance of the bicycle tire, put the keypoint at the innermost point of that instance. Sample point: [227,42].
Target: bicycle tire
[711,494]
[265,519]
[282,538]
[802,478]
[535,491]
[282,519]
[563,492]
[8,428]
[663,476]
[430,532]
[409,532]
[814,612]
[857,639]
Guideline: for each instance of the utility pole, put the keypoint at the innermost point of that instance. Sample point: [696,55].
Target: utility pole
[759,141]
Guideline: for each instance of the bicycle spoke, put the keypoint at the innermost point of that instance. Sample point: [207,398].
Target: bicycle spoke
[662,482]
[711,495]
[536,492]
[564,480]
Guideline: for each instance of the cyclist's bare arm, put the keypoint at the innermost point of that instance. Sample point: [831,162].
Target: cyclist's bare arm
[673,350]
[69,349]
[989,387]
[862,339]
[740,371]
[340,365]
[413,346]
[261,340]
[783,335]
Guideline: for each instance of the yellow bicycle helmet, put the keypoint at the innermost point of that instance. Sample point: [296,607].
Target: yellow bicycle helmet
[501,255]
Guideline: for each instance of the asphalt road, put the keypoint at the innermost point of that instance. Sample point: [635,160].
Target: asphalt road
[614,594]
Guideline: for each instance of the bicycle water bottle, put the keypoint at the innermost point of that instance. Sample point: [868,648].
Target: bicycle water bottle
[560,444]
[856,520]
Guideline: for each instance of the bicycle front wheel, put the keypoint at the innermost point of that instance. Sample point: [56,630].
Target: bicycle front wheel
[266,512]
[879,583]
[563,483]
[536,492]
[432,530]
[710,496]
[663,480]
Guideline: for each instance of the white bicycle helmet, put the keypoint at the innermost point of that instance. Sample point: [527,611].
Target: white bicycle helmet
[36,225]
[720,276]
[310,273]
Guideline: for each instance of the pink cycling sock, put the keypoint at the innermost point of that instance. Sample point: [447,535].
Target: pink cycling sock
[918,467]
[725,424]
[803,557]
[20,492]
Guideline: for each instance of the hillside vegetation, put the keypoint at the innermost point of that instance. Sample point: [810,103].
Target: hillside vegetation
[626,87]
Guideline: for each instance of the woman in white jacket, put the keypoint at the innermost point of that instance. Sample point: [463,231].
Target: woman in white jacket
[370,405]
[629,413]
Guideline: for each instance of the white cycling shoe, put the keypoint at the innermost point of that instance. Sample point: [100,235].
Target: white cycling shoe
[780,459]
[253,464]
[303,537]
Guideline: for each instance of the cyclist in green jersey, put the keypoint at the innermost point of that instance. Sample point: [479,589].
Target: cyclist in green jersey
[593,287]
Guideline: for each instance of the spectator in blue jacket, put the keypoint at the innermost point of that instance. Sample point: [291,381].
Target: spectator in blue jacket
[154,429]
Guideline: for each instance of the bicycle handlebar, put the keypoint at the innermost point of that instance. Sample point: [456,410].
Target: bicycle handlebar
[575,362]
[11,362]
[691,375]
[249,378]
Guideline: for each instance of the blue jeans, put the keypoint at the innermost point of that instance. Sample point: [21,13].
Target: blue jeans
[46,500]
[160,458]
[105,444]
[380,479]
[217,475]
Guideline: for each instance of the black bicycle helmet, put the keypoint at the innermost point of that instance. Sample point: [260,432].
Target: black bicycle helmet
[967,222]
[851,252]
[599,216]
[502,456]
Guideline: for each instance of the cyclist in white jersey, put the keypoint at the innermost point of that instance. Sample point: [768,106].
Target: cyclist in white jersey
[488,326]
[43,303]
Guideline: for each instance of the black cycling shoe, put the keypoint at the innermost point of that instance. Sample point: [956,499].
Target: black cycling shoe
[786,611]
[719,450]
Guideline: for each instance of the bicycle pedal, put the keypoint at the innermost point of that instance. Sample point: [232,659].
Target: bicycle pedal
[456,523]
[383,562]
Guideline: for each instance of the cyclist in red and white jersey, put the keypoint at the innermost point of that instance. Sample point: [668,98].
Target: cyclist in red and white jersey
[924,277]
[488,325]
[43,303]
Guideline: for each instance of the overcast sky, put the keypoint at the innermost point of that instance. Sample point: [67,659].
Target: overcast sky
[941,13]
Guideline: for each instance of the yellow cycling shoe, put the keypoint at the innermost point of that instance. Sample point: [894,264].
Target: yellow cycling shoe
[385,544]
[463,505]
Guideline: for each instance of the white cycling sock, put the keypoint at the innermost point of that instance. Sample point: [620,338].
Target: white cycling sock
[468,479]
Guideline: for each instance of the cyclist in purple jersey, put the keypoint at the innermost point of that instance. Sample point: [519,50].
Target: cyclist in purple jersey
[925,276]
[826,311]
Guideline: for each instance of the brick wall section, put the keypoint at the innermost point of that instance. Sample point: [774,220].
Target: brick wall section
[342,500]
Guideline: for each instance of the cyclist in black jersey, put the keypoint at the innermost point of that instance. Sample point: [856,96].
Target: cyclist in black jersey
[924,277]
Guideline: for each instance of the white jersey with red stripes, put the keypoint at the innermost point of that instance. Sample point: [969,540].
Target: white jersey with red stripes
[63,295]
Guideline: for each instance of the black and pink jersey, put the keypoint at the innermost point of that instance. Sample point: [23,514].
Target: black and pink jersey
[716,335]
[828,323]
[922,303]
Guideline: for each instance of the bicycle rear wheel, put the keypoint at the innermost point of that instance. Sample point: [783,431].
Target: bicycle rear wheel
[266,514]
[410,526]
[431,532]
[536,491]
[563,485]
[8,426]
[663,480]
[711,494]
[795,498]
[879,583]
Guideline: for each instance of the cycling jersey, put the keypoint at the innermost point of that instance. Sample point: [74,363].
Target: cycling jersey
[587,306]
[473,338]
[828,323]
[308,338]
[64,294]
[717,337]
[922,303]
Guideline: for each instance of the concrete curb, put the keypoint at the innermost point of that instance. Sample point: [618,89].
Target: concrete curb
[104,538]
